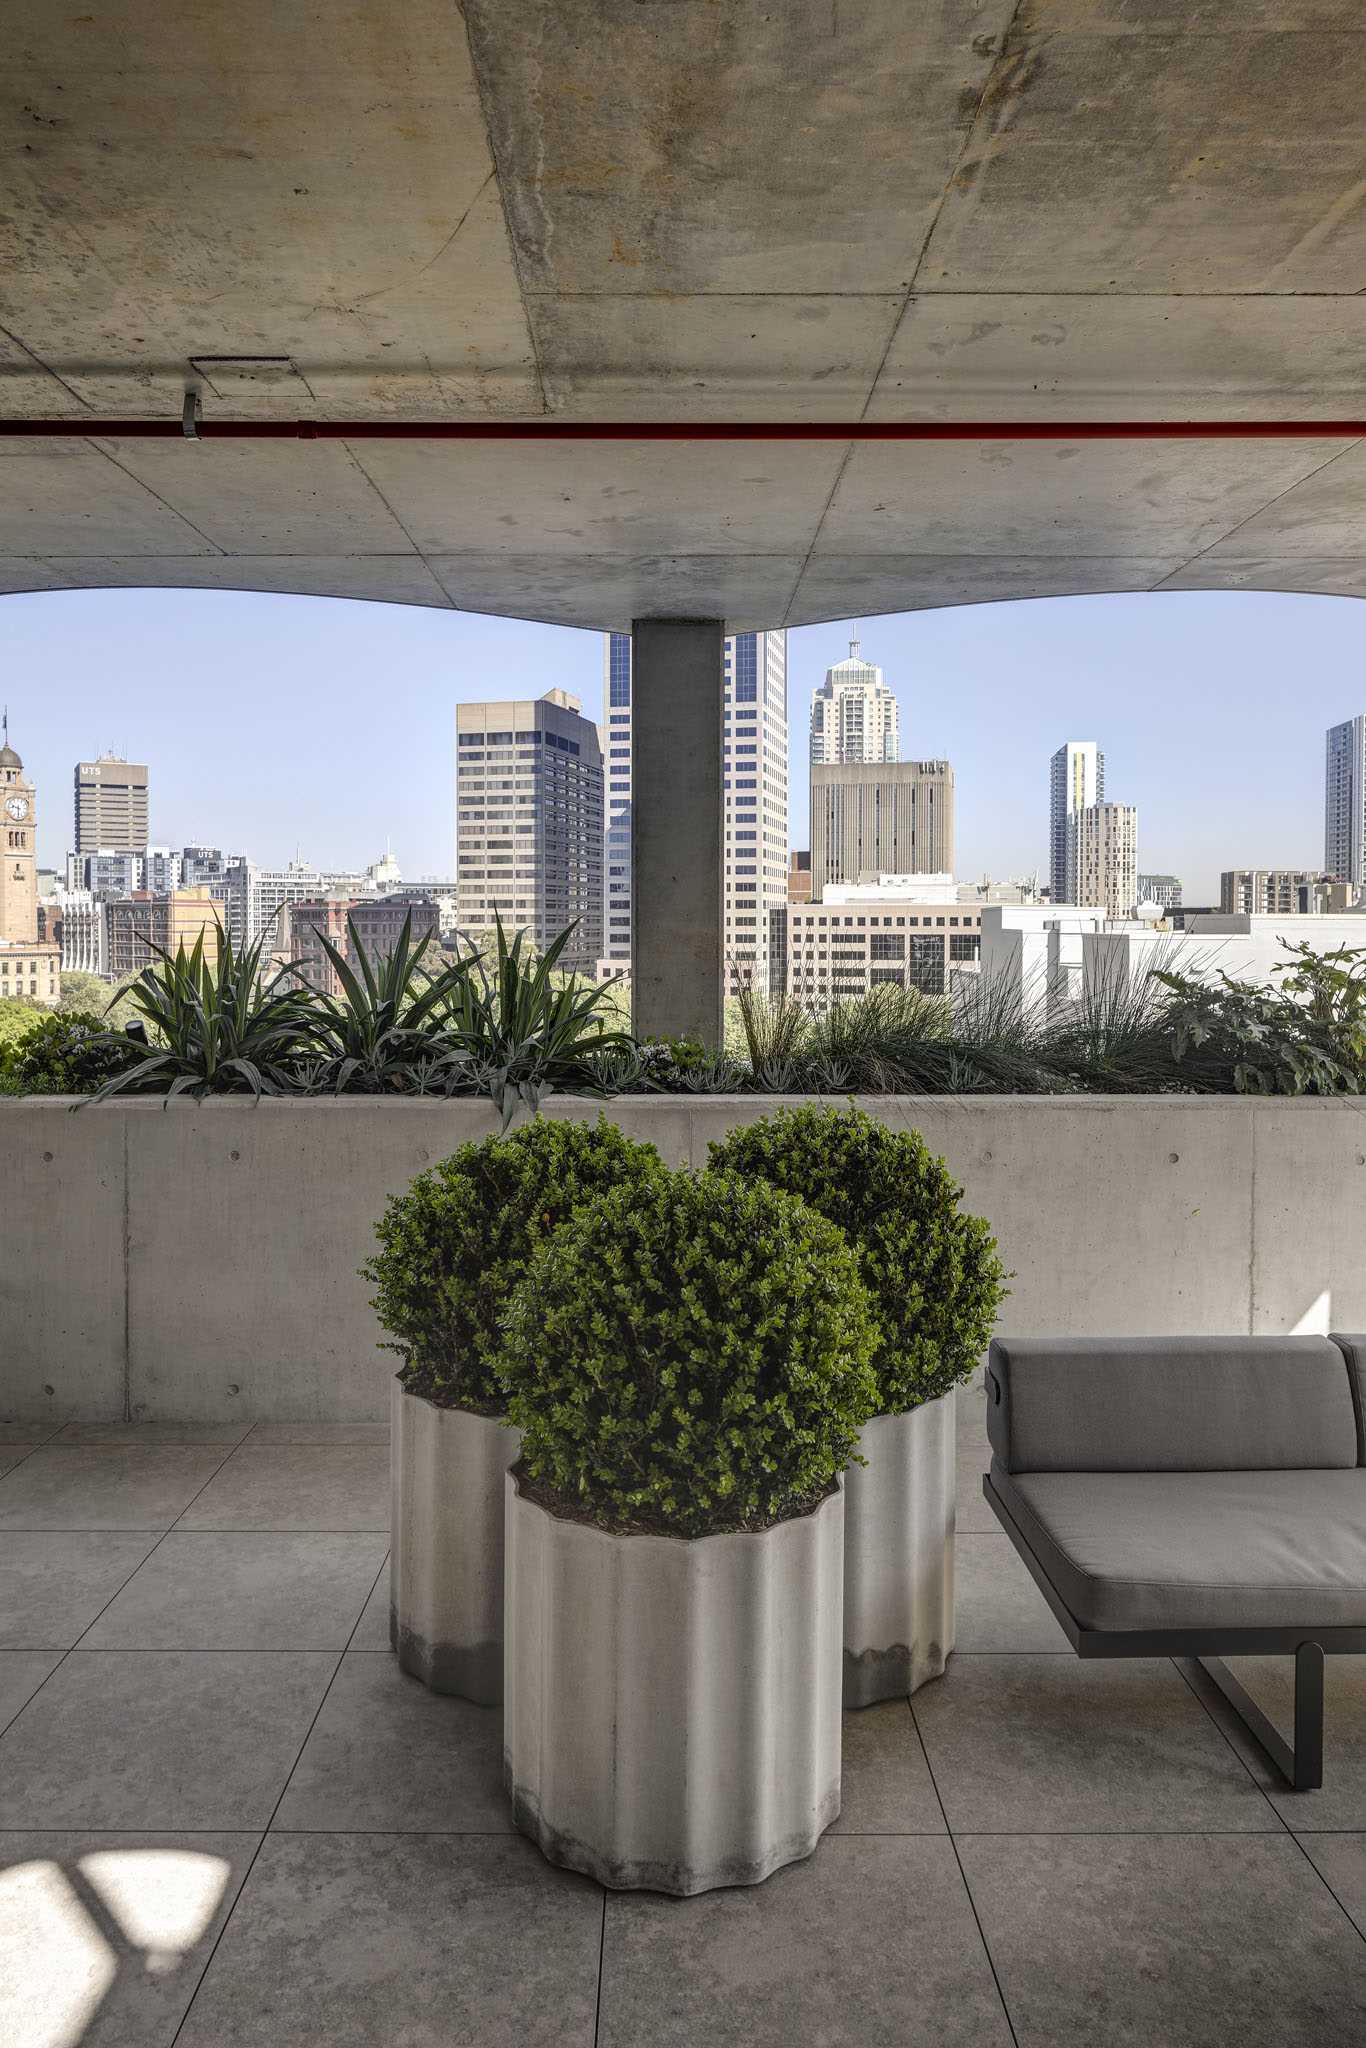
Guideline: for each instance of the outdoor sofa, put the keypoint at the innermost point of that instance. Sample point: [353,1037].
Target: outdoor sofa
[1192,1496]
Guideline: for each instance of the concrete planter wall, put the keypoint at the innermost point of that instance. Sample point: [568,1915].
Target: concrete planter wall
[672,1709]
[447,1470]
[112,1311]
[898,1554]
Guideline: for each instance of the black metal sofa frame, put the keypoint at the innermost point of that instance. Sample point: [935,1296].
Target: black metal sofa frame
[1245,1368]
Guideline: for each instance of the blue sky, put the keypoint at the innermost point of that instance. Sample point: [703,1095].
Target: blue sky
[276,723]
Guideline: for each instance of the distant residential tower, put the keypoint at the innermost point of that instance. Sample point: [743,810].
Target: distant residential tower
[1076,778]
[854,714]
[1344,820]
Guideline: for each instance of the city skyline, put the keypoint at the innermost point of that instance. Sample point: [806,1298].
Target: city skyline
[327,726]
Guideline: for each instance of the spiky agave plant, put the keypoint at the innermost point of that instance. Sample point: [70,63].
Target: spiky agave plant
[211,1026]
[388,1028]
[518,1025]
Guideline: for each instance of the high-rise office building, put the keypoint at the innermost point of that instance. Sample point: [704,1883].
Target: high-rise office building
[111,805]
[754,802]
[529,822]
[854,714]
[1076,778]
[616,697]
[1344,809]
[1102,858]
[893,819]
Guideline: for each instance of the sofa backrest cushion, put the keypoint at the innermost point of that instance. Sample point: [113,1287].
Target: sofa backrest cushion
[1170,1404]
[1353,1350]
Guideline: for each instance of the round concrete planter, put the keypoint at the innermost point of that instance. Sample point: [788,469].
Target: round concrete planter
[672,1709]
[898,1554]
[447,1470]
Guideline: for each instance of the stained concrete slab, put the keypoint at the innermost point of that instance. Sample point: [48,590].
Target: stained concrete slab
[302,1486]
[54,1582]
[1340,1860]
[1109,355]
[870,1941]
[272,498]
[160,1739]
[886,1787]
[1161,162]
[998,1607]
[1062,498]
[336,1371]
[1044,1744]
[712,355]
[750,589]
[64,1353]
[340,1941]
[110,1488]
[869,585]
[763,150]
[631,498]
[1308,1277]
[209,210]
[1181,1939]
[1320,518]
[21,1674]
[243,1590]
[397,578]
[389,1754]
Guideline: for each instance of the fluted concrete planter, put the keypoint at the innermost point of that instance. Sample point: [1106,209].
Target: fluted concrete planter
[447,1470]
[898,1554]
[672,1708]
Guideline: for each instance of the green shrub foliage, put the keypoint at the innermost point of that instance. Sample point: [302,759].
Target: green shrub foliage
[456,1243]
[66,1052]
[690,1355]
[931,1270]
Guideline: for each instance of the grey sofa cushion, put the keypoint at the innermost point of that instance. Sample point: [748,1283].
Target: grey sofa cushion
[1136,1550]
[1353,1350]
[1169,1404]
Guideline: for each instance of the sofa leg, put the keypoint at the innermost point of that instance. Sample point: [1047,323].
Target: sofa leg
[1308,1773]
[1302,1766]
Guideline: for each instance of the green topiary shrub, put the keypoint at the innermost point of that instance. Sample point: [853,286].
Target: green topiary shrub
[690,1355]
[931,1270]
[456,1243]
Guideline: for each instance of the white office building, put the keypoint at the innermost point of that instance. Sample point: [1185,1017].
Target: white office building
[1344,810]
[1076,779]
[909,930]
[754,878]
[854,714]
[253,895]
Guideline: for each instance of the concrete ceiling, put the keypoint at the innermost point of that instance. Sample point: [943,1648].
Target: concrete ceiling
[678,210]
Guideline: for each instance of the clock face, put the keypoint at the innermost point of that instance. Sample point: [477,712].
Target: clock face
[17,806]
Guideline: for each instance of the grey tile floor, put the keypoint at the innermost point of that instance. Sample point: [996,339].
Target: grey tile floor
[227,1821]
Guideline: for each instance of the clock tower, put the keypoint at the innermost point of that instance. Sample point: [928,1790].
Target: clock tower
[18,848]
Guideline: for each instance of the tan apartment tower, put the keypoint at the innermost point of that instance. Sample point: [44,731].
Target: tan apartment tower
[886,818]
[111,805]
[1102,858]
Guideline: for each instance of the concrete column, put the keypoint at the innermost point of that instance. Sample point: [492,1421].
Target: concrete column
[677,708]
